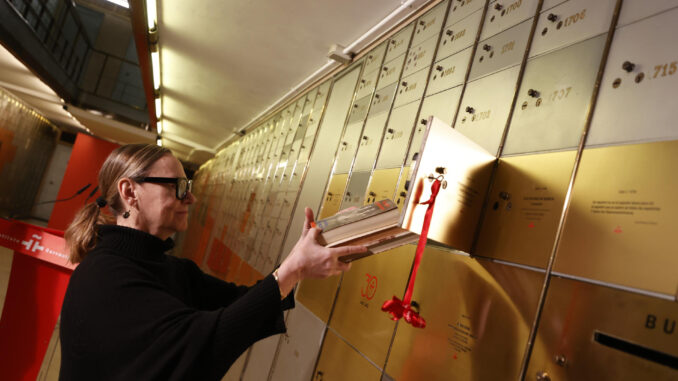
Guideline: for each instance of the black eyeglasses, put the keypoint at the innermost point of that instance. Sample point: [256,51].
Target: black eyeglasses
[182,184]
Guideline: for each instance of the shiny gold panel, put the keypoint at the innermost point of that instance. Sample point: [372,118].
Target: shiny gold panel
[524,208]
[370,282]
[340,362]
[589,332]
[621,227]
[465,168]
[318,295]
[403,184]
[478,317]
[332,200]
[382,185]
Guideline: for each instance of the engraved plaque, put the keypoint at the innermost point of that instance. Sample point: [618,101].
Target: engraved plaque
[448,73]
[554,98]
[369,143]
[383,99]
[374,58]
[585,325]
[485,108]
[339,362]
[333,197]
[502,15]
[478,317]
[429,24]
[621,227]
[420,56]
[501,51]
[318,295]
[394,145]
[382,185]
[347,147]
[466,169]
[397,45]
[390,72]
[367,83]
[571,22]
[524,208]
[411,88]
[459,10]
[635,102]
[355,190]
[298,348]
[460,35]
[357,315]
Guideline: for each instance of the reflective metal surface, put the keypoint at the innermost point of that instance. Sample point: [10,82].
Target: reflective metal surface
[524,207]
[382,185]
[449,72]
[355,190]
[638,77]
[390,71]
[502,15]
[478,315]
[348,146]
[591,332]
[338,361]
[459,10]
[365,287]
[298,348]
[485,108]
[466,167]
[398,44]
[554,98]
[461,34]
[419,57]
[622,222]
[335,191]
[571,22]
[429,24]
[369,143]
[318,295]
[501,51]
[394,145]
[411,88]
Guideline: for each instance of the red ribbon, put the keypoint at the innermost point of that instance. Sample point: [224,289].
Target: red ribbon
[403,308]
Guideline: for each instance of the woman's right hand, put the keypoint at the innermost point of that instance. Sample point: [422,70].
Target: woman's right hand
[308,259]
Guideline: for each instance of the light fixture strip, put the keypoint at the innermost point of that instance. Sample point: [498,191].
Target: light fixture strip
[155,63]
[152,14]
[158,108]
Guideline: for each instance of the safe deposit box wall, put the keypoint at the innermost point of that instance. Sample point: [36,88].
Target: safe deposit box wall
[572,274]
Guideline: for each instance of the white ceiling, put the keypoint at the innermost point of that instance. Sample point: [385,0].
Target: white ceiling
[224,62]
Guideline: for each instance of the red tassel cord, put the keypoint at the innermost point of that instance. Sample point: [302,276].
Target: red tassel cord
[403,308]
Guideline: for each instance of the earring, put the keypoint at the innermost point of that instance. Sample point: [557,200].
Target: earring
[126,214]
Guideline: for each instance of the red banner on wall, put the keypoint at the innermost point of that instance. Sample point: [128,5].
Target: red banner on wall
[41,243]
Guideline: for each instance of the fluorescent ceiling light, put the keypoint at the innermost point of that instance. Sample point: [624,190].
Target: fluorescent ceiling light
[122,3]
[152,14]
[159,127]
[155,62]
[158,108]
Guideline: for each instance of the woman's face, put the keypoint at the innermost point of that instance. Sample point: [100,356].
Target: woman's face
[160,212]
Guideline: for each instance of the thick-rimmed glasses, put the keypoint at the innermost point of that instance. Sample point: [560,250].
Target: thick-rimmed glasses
[182,185]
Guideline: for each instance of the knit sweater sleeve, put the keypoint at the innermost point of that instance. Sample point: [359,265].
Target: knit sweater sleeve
[154,334]
[211,293]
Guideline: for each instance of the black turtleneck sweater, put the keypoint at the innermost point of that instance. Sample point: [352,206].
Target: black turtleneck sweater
[132,312]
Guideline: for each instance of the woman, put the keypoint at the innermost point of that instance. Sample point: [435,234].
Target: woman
[131,312]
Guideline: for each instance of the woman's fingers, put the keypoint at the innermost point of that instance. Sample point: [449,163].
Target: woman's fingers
[347,250]
[309,219]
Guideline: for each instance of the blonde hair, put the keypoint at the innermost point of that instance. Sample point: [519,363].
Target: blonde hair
[130,161]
